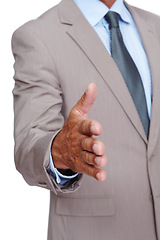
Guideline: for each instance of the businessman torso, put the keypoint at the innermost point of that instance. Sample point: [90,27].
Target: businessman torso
[127,205]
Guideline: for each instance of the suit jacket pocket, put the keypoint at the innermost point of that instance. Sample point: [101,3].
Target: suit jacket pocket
[100,206]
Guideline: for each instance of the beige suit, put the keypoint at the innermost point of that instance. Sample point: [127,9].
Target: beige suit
[56,57]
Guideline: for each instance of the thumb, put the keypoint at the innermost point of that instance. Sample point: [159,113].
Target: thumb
[86,101]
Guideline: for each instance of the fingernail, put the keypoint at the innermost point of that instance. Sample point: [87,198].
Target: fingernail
[92,128]
[98,176]
[95,148]
[98,161]
[86,90]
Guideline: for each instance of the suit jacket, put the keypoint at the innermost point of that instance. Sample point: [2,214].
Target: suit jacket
[56,57]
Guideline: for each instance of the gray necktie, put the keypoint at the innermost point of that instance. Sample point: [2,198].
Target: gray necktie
[128,69]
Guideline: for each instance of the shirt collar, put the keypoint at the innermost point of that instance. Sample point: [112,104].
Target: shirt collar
[95,10]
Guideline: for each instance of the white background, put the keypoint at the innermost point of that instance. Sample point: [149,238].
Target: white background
[23,209]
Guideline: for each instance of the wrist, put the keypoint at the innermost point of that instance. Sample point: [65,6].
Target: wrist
[56,152]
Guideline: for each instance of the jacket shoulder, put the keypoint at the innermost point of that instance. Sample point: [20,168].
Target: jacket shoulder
[48,19]
[148,17]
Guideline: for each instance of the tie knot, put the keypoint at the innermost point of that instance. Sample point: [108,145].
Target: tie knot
[113,19]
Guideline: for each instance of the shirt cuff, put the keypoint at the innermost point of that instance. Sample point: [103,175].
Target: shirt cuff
[60,178]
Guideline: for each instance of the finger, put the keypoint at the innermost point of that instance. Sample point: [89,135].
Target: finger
[88,157]
[101,161]
[91,144]
[98,174]
[85,103]
[92,159]
[90,127]
[101,175]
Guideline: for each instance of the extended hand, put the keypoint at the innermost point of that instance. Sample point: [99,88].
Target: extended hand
[75,146]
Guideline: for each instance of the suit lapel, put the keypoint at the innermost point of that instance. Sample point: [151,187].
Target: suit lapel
[152,47]
[86,38]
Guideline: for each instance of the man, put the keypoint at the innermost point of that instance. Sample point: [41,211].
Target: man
[58,56]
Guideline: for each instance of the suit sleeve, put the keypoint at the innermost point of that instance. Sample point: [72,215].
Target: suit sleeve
[37,108]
